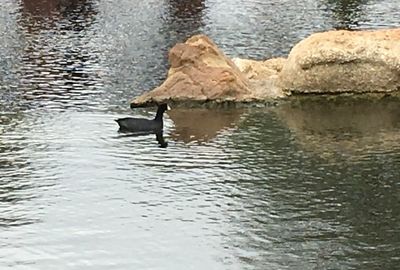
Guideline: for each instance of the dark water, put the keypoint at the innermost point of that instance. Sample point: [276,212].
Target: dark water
[310,184]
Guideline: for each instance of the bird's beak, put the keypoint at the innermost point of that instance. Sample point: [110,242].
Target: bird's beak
[168,107]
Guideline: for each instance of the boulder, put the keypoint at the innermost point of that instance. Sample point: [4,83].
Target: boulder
[344,61]
[199,71]
[262,76]
[259,70]
[325,63]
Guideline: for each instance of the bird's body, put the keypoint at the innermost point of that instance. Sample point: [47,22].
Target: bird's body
[140,125]
[129,124]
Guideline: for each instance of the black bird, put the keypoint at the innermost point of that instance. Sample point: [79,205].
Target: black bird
[140,125]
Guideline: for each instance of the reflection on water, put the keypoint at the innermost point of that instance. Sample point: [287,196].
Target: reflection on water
[347,13]
[187,9]
[185,17]
[343,127]
[324,200]
[158,135]
[14,189]
[305,185]
[57,10]
[57,62]
[201,125]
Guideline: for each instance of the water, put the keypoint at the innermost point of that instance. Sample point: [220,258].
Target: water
[309,184]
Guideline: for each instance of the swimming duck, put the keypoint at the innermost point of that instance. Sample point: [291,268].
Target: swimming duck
[140,125]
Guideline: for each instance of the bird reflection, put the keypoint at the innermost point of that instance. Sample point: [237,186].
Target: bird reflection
[159,137]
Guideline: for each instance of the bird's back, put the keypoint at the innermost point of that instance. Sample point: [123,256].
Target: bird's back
[129,124]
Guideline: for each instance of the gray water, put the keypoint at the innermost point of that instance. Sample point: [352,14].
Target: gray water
[308,184]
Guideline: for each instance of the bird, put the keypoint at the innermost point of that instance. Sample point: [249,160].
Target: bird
[141,125]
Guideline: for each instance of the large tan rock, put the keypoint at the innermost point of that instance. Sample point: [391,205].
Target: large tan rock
[262,76]
[199,72]
[344,61]
[259,70]
[324,63]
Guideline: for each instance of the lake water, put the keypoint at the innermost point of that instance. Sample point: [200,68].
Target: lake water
[308,184]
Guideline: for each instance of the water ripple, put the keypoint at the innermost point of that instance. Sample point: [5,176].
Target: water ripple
[273,188]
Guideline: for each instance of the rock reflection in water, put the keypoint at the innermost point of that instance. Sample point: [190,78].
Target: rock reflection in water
[352,128]
[201,125]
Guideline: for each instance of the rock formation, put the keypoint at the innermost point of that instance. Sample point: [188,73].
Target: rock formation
[344,61]
[200,72]
[262,76]
[325,63]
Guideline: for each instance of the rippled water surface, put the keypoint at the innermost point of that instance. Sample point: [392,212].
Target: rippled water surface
[310,184]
